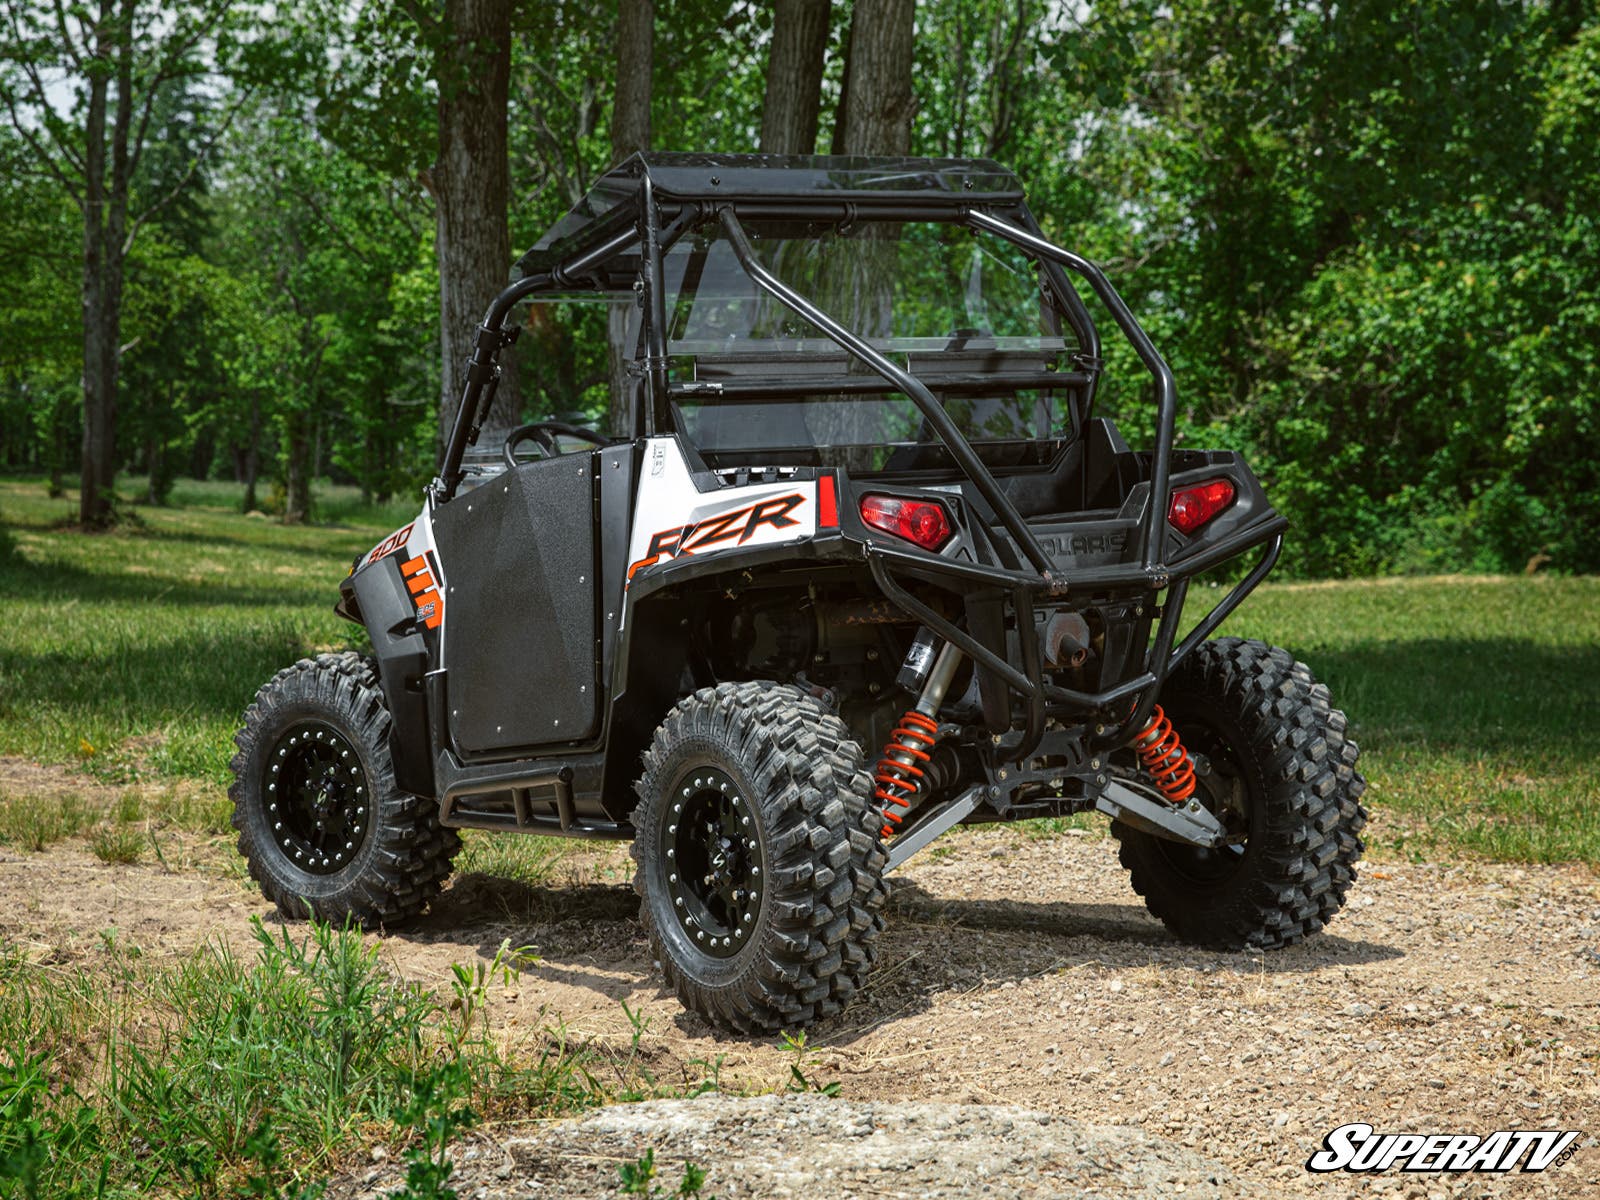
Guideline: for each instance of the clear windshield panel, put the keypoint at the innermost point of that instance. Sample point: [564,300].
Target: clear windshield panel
[871,432]
[950,304]
[915,286]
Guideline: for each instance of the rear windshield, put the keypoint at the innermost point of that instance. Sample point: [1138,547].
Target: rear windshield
[961,309]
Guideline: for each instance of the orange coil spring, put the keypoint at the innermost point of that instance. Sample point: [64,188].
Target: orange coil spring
[1162,753]
[898,781]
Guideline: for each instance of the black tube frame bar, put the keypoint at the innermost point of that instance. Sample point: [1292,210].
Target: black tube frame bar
[1022,588]
[482,369]
[1166,386]
[692,389]
[914,389]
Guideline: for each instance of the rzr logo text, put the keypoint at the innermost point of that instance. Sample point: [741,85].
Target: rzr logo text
[1358,1147]
[736,526]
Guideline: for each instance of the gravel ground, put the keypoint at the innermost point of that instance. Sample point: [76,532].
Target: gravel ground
[1458,998]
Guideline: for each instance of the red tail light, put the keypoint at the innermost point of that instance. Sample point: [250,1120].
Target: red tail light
[921,522]
[1193,506]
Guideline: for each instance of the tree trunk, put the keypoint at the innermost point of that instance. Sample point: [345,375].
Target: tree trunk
[630,118]
[630,132]
[252,457]
[60,444]
[105,230]
[874,118]
[794,76]
[153,457]
[93,509]
[469,185]
[877,102]
[297,491]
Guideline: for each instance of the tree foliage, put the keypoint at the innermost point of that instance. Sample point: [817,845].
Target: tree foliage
[1365,234]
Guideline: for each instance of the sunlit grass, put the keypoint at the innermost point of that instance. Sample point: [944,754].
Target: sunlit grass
[136,652]
[1473,700]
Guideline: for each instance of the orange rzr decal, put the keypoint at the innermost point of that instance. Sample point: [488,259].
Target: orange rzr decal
[424,594]
[736,526]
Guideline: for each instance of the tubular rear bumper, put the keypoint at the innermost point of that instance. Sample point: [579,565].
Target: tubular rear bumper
[1024,591]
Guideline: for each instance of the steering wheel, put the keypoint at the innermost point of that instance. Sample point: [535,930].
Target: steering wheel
[544,434]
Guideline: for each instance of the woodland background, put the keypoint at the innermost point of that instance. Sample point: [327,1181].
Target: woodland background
[250,242]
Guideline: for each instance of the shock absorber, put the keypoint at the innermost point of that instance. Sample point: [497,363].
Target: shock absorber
[1161,751]
[900,771]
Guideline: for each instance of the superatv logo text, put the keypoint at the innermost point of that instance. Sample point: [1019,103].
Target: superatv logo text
[734,527]
[1359,1147]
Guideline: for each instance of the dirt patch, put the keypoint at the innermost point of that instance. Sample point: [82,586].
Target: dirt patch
[772,1146]
[1449,998]
[19,777]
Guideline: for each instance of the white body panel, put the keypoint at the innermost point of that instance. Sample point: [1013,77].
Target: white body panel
[419,566]
[672,518]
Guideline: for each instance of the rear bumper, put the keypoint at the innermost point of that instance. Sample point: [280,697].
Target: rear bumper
[1097,559]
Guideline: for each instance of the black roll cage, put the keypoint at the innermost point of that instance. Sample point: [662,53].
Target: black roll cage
[653,226]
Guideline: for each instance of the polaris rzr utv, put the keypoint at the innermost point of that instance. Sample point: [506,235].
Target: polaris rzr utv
[864,512]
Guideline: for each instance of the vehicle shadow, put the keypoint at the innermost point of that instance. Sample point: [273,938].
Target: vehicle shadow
[937,946]
[588,936]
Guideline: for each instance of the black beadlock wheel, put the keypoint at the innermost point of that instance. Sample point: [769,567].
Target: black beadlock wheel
[1276,766]
[759,869]
[321,824]
[317,797]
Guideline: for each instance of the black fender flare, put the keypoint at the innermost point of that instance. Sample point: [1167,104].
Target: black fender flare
[376,595]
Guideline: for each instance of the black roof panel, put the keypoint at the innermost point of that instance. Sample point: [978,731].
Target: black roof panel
[616,195]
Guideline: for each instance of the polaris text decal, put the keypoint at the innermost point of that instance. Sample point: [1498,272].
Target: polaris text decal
[735,527]
[1358,1147]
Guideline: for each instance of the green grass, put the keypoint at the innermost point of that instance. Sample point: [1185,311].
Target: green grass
[135,652]
[223,1071]
[29,824]
[1474,701]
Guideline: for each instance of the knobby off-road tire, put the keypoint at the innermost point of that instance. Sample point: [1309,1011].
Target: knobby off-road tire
[1283,771]
[323,827]
[769,780]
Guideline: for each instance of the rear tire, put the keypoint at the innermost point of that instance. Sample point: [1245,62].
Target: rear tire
[1283,773]
[323,827]
[759,869]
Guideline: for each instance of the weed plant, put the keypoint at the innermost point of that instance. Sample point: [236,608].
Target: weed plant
[228,1074]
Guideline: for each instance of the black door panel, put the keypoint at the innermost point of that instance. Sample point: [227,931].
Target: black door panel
[519,634]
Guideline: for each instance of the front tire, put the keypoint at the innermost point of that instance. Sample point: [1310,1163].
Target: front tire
[1280,772]
[759,869]
[322,825]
